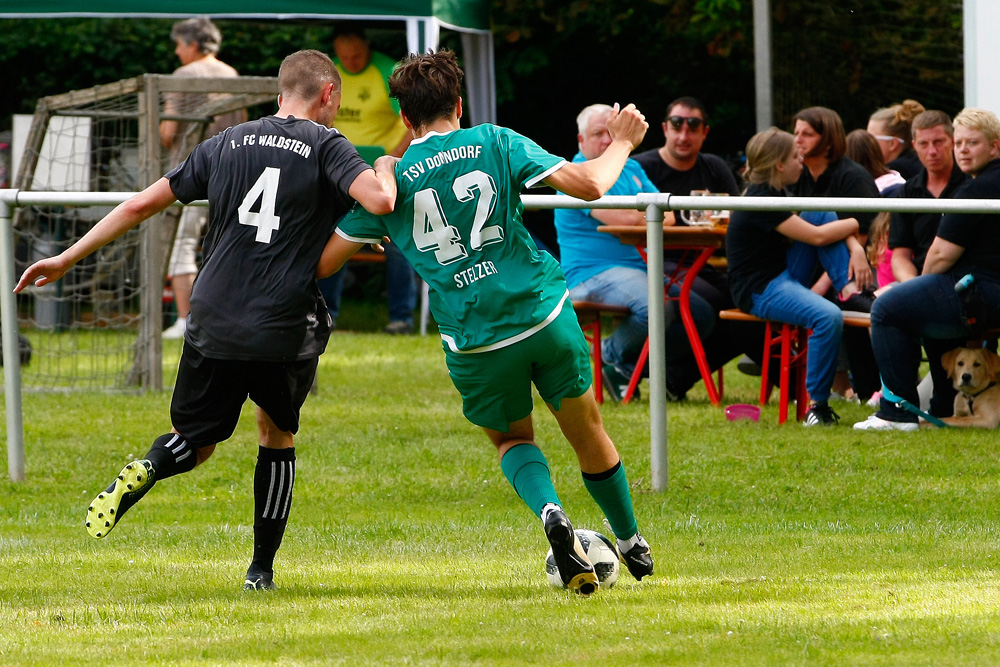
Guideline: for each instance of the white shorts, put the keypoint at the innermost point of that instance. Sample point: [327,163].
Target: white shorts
[184,256]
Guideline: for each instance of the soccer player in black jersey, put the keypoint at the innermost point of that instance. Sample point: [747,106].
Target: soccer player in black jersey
[276,187]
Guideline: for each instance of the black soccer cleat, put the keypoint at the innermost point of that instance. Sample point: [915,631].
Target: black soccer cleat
[107,509]
[575,569]
[638,560]
[258,580]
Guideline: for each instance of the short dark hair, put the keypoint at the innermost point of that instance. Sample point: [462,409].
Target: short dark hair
[427,86]
[933,118]
[303,74]
[349,30]
[832,143]
[689,102]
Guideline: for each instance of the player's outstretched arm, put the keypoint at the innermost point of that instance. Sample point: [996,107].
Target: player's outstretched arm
[336,252]
[376,190]
[124,217]
[591,179]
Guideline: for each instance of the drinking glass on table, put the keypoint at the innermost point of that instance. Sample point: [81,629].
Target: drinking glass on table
[697,217]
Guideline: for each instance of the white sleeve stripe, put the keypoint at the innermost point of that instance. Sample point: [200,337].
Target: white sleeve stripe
[548,172]
[357,239]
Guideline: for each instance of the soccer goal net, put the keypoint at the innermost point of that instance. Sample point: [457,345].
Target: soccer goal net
[99,327]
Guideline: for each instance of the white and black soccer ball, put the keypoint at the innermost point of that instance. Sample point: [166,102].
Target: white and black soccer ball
[601,553]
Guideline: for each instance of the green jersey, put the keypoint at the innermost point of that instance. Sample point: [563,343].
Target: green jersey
[458,221]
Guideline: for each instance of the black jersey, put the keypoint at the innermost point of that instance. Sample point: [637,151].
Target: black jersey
[276,187]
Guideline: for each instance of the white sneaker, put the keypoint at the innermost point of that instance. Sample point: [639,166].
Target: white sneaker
[876,423]
[176,330]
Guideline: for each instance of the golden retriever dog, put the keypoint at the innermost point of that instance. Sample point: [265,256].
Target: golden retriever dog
[976,376]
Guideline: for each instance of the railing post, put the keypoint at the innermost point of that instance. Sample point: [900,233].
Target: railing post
[11,348]
[657,351]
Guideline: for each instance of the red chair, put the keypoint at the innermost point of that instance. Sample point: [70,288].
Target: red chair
[589,314]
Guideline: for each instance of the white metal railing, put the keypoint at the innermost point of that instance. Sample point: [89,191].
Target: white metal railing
[652,204]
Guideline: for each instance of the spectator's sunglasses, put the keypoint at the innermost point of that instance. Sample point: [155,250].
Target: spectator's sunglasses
[677,122]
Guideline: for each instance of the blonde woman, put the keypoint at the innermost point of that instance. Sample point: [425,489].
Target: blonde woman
[892,128]
[769,278]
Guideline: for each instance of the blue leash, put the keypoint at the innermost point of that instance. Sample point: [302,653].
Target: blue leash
[901,402]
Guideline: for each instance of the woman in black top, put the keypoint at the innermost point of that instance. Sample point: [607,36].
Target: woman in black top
[772,256]
[892,127]
[819,136]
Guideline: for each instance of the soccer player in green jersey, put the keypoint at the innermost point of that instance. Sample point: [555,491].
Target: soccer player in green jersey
[501,305]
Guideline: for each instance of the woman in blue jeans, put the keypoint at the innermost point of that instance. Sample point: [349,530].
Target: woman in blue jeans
[773,255]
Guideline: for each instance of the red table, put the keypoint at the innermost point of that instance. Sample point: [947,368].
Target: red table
[698,244]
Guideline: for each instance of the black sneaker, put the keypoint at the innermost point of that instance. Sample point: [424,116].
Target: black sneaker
[748,366]
[258,580]
[821,414]
[575,569]
[107,509]
[638,560]
[859,302]
[398,327]
[616,382]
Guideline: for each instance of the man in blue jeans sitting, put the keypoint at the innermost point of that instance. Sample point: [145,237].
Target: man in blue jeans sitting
[600,268]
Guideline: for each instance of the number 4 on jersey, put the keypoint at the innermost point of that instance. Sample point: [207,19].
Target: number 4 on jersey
[266,190]
[431,230]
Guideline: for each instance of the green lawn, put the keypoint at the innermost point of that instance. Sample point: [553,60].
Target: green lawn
[773,545]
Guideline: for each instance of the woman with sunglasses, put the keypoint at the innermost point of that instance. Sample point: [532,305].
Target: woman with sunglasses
[891,127]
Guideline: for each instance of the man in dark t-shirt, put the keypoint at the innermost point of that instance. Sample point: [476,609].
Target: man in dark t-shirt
[276,187]
[911,234]
[679,166]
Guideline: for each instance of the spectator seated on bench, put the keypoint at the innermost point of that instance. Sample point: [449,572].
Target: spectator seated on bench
[768,278]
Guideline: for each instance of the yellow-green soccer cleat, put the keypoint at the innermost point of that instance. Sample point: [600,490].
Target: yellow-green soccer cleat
[107,509]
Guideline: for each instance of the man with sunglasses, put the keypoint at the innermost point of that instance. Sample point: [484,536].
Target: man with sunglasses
[679,166]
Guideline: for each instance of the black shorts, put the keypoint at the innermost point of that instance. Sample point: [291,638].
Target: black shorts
[209,394]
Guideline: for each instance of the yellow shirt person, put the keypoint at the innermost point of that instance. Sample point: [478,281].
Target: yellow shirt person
[367,116]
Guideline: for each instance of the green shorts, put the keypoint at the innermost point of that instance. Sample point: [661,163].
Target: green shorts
[496,385]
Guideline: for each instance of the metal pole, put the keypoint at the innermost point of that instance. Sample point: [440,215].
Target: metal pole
[762,63]
[11,349]
[657,351]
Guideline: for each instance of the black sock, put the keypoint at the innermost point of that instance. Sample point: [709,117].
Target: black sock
[273,479]
[171,455]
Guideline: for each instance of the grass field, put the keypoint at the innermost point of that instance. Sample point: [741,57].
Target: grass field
[773,545]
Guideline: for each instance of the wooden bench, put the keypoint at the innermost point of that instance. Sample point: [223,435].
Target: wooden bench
[589,314]
[789,345]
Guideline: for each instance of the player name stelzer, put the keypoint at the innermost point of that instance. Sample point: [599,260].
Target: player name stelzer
[274,141]
[474,273]
[418,169]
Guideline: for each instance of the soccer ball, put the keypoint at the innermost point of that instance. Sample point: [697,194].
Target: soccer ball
[601,553]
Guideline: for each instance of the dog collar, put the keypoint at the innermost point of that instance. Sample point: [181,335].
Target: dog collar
[969,397]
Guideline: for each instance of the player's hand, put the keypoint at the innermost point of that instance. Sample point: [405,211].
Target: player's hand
[627,124]
[42,273]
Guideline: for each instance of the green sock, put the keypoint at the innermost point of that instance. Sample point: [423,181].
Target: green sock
[610,491]
[526,469]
